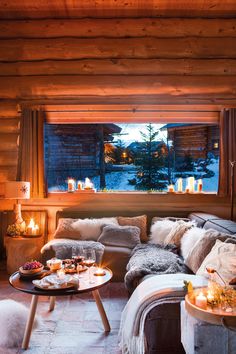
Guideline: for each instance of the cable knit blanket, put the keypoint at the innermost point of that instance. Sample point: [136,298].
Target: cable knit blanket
[159,289]
[152,259]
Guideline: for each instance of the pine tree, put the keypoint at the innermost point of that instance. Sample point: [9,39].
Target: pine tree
[150,162]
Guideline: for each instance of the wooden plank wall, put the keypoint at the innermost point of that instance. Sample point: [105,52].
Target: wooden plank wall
[144,57]
[9,135]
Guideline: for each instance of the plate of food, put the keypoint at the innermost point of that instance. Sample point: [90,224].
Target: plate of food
[31,268]
[52,282]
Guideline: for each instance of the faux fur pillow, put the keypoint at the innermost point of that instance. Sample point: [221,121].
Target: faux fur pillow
[66,228]
[222,258]
[159,230]
[91,229]
[139,221]
[202,247]
[189,239]
[121,236]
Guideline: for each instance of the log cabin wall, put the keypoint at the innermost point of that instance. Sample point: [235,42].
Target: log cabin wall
[101,56]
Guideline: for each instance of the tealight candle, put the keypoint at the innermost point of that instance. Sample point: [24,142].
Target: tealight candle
[201,301]
[99,272]
[171,188]
[88,184]
[79,186]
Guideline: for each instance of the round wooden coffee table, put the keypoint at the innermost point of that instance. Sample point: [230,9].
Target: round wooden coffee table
[25,285]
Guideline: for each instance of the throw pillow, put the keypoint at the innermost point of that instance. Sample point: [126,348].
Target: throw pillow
[159,230]
[177,232]
[202,247]
[189,239]
[139,221]
[91,229]
[172,218]
[121,236]
[222,258]
[66,228]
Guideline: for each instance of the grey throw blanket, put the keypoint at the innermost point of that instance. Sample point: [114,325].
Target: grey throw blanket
[152,259]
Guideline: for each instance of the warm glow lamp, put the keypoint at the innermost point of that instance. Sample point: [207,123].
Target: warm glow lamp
[17,190]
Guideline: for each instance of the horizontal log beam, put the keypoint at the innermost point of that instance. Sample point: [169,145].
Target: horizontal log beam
[8,142]
[135,116]
[7,173]
[9,125]
[140,27]
[8,158]
[121,67]
[71,86]
[77,48]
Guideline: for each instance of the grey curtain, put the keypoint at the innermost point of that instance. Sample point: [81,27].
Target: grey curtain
[227,150]
[31,151]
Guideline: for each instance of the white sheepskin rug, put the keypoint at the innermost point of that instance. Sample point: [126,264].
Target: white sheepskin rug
[13,318]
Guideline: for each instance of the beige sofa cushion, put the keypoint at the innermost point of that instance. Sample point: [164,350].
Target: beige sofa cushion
[139,221]
[223,259]
[66,228]
[203,247]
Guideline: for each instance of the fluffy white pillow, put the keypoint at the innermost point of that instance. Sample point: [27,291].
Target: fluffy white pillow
[91,229]
[223,259]
[12,323]
[189,239]
[160,230]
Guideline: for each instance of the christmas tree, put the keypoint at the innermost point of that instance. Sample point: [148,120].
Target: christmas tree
[150,162]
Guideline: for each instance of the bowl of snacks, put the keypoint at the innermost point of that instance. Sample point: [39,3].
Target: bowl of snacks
[31,268]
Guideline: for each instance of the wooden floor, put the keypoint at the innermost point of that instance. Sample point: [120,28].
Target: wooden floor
[74,326]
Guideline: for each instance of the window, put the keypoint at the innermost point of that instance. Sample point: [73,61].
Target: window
[132,157]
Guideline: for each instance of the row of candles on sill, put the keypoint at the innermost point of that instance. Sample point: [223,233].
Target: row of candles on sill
[190,186]
[72,186]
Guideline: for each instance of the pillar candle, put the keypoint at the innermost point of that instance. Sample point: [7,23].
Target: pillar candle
[199,186]
[71,185]
[201,301]
[191,184]
[180,185]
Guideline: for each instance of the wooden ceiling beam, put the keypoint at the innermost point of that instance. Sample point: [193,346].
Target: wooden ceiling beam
[119,27]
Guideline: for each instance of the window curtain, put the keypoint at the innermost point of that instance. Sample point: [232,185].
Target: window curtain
[31,151]
[227,150]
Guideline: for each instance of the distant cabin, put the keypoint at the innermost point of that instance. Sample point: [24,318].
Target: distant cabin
[196,140]
[76,151]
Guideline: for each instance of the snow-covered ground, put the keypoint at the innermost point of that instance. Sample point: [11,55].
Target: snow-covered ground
[119,180]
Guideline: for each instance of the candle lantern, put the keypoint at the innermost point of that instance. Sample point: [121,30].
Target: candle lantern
[191,182]
[180,185]
[199,186]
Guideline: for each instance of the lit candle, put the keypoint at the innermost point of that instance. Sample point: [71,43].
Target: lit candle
[171,188]
[30,227]
[99,272]
[210,297]
[79,186]
[187,189]
[88,184]
[191,181]
[71,185]
[199,186]
[180,185]
[201,301]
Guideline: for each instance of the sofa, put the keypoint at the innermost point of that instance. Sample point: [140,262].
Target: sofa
[164,319]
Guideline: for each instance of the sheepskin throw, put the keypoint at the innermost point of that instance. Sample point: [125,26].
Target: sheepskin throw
[152,259]
[63,247]
[12,323]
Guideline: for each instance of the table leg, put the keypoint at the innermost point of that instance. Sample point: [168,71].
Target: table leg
[52,303]
[101,310]
[30,321]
